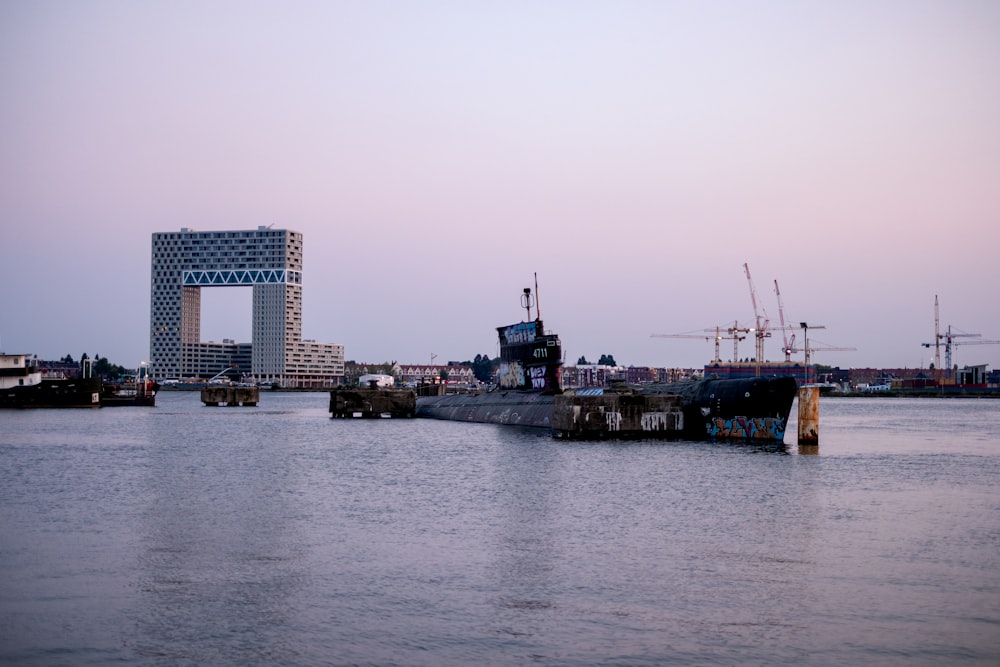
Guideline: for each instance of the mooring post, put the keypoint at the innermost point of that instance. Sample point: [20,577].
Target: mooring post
[809,415]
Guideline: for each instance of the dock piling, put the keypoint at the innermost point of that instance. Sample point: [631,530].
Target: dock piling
[809,415]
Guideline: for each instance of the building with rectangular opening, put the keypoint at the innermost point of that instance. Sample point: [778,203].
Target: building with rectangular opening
[269,260]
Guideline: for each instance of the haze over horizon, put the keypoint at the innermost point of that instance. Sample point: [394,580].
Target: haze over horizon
[436,155]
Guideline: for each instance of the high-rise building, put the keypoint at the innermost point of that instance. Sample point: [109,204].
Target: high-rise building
[268,259]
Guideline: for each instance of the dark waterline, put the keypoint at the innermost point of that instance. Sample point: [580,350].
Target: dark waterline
[274,535]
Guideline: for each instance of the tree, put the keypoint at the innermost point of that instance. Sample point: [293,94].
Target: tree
[582,361]
[482,367]
[607,360]
[105,369]
[68,359]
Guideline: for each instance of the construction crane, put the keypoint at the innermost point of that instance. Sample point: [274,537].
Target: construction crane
[733,333]
[760,331]
[790,348]
[789,340]
[949,341]
[805,326]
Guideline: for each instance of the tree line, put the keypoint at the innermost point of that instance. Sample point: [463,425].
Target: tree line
[605,360]
[101,367]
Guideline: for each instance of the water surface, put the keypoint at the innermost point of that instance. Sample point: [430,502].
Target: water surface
[184,534]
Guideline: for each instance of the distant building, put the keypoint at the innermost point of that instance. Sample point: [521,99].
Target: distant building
[838,376]
[747,369]
[269,260]
[584,376]
[972,375]
[865,376]
[457,374]
[59,369]
[212,358]
[639,375]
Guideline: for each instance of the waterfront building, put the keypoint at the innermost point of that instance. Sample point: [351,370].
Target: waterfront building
[269,260]
[458,374]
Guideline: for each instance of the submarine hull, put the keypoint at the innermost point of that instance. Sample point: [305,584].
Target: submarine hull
[746,408]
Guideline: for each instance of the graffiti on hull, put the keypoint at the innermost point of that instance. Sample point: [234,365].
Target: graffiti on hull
[511,375]
[756,428]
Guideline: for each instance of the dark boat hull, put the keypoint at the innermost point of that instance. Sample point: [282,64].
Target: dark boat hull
[74,393]
[115,401]
[516,408]
[742,408]
[750,408]
[113,396]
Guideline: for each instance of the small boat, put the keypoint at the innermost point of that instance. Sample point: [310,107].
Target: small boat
[137,390]
[23,386]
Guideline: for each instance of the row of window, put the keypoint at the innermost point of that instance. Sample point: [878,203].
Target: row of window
[244,234]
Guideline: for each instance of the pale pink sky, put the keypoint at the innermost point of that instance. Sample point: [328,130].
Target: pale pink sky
[436,154]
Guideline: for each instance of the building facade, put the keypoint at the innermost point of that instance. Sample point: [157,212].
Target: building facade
[269,260]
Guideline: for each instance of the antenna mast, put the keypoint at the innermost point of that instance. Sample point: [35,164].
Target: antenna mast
[538,301]
[527,302]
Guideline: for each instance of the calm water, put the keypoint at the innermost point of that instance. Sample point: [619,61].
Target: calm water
[273,535]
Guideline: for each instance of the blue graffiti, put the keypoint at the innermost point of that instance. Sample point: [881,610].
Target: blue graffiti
[520,333]
[756,428]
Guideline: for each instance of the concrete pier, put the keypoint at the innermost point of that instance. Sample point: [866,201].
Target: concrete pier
[809,415]
[372,403]
[231,396]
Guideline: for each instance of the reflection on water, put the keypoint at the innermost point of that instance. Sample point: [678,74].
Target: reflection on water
[274,535]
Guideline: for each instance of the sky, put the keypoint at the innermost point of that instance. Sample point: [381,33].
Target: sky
[438,155]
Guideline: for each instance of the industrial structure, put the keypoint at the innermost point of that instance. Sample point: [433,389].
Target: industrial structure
[949,342]
[758,365]
[269,260]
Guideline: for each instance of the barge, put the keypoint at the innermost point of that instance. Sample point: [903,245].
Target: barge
[22,386]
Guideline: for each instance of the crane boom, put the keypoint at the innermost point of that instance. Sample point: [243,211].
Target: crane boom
[733,335]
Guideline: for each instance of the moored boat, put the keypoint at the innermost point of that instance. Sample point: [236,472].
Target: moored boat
[137,390]
[528,393]
[23,386]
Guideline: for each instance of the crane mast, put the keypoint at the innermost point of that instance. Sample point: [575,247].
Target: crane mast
[789,341]
[760,331]
[949,341]
[937,341]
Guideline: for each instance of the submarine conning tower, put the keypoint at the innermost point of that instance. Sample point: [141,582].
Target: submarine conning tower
[529,358]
